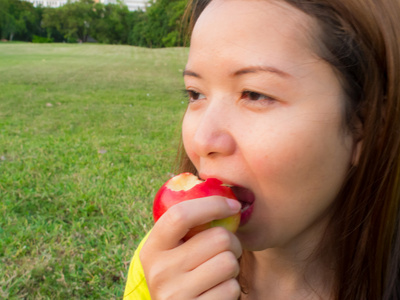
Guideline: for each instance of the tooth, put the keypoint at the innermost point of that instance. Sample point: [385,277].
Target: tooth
[228,185]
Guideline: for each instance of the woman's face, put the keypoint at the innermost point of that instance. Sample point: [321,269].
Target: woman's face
[265,114]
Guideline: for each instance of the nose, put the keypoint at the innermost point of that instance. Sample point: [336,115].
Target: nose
[213,130]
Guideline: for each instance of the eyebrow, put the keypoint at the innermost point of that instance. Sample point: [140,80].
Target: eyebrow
[190,73]
[257,69]
[247,70]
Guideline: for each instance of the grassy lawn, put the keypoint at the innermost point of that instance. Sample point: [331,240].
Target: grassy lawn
[87,135]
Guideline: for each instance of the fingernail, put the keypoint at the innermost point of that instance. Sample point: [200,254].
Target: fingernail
[234,204]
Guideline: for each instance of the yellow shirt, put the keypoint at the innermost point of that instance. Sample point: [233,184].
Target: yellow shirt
[136,286]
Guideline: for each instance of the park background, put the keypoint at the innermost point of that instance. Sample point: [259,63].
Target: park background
[88,133]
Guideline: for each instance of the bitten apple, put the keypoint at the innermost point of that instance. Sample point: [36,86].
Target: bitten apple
[187,186]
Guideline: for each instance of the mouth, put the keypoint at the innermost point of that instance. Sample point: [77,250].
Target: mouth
[244,195]
[247,198]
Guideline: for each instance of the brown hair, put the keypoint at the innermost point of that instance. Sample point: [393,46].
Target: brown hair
[361,40]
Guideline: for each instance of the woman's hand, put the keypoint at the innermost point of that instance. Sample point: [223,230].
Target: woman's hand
[205,266]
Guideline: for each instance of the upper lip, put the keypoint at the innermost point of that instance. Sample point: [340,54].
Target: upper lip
[224,180]
[242,193]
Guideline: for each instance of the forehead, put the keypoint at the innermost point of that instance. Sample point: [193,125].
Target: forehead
[253,10]
[252,29]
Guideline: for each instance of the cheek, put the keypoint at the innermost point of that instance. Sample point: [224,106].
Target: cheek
[188,131]
[298,179]
[302,162]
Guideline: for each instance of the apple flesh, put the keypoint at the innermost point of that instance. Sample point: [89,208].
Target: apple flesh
[187,186]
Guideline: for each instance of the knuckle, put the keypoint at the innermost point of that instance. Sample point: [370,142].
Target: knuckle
[229,264]
[155,275]
[161,286]
[145,258]
[175,216]
[222,238]
[157,272]
[237,247]
[169,294]
[233,287]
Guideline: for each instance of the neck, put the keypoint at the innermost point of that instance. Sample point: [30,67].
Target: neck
[288,278]
[296,271]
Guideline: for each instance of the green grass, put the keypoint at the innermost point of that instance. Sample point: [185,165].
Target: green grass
[87,135]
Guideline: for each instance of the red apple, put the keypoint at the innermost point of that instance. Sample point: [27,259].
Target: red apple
[187,186]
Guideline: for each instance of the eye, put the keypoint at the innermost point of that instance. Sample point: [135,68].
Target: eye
[254,96]
[194,96]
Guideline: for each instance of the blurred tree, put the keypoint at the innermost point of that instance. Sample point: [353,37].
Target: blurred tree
[77,19]
[74,20]
[160,25]
[51,24]
[18,19]
[112,24]
[137,35]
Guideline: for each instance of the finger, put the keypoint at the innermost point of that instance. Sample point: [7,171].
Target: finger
[227,290]
[207,244]
[180,218]
[214,271]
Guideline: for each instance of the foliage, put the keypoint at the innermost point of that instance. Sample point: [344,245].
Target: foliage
[137,35]
[113,24]
[41,39]
[51,24]
[87,135]
[19,20]
[159,26]
[74,19]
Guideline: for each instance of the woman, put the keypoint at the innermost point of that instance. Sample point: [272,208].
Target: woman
[296,103]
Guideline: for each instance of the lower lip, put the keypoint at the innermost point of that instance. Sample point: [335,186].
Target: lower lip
[246,215]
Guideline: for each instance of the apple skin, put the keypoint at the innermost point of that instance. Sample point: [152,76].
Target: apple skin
[167,197]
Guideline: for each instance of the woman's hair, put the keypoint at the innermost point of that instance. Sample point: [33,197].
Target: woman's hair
[361,41]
